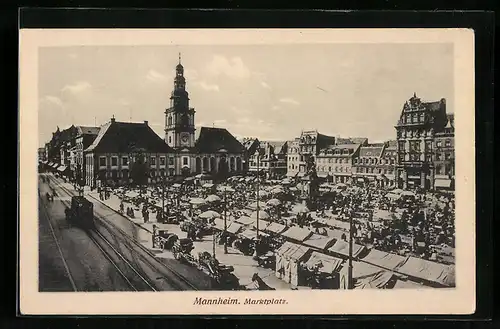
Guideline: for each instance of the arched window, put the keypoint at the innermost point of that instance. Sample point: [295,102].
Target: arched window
[169,120]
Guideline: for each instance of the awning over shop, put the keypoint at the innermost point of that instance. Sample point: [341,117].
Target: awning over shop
[360,179]
[442,183]
[208,185]
[61,168]
[55,165]
[430,271]
[384,259]
[276,228]
[325,263]
[319,241]
[341,247]
[323,174]
[301,174]
[296,233]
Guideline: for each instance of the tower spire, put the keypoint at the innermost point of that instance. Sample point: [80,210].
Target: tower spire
[179,57]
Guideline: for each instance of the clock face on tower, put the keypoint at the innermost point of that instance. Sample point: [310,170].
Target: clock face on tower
[185,138]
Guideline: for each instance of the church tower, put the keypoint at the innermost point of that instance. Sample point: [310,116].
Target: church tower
[179,117]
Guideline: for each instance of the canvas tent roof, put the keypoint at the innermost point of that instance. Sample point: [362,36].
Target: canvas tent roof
[367,276]
[263,224]
[276,228]
[384,259]
[333,233]
[430,271]
[297,233]
[328,264]
[244,220]
[251,234]
[342,247]
[319,241]
[293,251]
[234,227]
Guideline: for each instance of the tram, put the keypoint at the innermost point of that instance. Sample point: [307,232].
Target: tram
[81,213]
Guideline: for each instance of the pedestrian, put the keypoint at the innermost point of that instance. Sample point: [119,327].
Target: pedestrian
[154,236]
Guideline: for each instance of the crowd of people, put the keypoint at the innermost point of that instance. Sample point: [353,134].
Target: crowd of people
[418,223]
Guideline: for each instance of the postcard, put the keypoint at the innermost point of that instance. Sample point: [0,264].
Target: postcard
[247,171]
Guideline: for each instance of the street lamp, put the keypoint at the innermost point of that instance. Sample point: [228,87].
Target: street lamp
[225,189]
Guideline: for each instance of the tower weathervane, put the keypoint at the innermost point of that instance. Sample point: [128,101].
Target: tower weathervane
[179,58]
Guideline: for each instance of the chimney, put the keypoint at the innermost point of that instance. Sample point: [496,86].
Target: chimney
[146,122]
[113,118]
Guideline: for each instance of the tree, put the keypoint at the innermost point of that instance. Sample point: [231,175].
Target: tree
[139,169]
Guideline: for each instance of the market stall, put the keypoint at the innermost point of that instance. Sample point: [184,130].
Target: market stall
[319,242]
[443,275]
[297,234]
[341,248]
[366,276]
[384,259]
[288,259]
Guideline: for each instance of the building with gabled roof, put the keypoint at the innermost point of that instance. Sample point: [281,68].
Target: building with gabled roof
[272,157]
[334,162]
[118,146]
[419,125]
[85,136]
[215,150]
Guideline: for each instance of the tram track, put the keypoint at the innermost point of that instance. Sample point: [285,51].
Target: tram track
[138,252]
[56,242]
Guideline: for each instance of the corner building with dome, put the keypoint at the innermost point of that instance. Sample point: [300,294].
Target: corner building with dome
[215,151]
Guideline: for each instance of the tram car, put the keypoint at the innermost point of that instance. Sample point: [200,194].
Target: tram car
[81,213]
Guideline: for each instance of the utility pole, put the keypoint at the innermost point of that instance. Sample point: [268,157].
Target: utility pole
[225,221]
[257,192]
[350,283]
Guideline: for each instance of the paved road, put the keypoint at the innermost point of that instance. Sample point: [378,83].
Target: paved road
[142,271]
[74,262]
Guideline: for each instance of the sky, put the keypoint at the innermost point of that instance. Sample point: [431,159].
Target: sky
[272,92]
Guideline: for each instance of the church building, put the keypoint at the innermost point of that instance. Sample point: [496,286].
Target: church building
[216,151]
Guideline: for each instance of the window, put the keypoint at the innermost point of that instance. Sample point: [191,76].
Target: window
[439,144]
[184,161]
[422,117]
[447,156]
[102,161]
[114,161]
[447,169]
[438,157]
[170,139]
[414,157]
[170,161]
[428,158]
[401,145]
[415,146]
[439,169]
[153,161]
[447,143]
[428,146]
[162,161]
